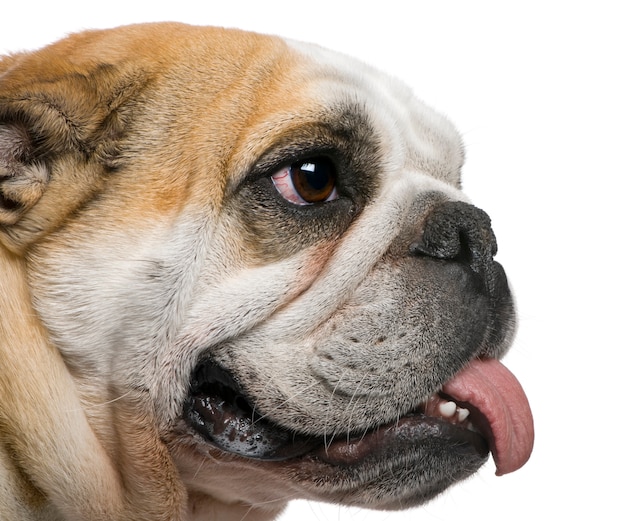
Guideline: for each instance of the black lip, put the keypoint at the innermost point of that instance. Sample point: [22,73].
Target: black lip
[403,436]
[218,409]
[220,412]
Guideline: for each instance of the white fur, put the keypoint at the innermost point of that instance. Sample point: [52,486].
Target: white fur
[137,304]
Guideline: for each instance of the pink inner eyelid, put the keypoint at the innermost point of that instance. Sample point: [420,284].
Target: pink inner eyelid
[284,184]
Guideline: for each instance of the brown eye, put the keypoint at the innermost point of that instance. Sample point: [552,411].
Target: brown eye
[314,180]
[307,182]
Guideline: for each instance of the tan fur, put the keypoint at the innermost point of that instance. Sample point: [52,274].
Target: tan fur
[45,435]
[141,236]
[46,438]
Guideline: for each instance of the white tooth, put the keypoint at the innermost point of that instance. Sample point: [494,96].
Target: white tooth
[447,409]
[463,414]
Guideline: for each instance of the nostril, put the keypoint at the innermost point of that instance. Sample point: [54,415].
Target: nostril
[458,231]
[466,250]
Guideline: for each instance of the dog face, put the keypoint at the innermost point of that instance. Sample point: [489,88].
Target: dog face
[265,245]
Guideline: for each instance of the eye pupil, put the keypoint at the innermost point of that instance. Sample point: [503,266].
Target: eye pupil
[314,180]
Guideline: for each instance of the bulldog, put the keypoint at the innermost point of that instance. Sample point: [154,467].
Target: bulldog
[238,270]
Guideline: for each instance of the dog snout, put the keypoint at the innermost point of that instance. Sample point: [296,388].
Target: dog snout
[461,232]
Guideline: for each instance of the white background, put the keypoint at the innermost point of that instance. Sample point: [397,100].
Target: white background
[537,89]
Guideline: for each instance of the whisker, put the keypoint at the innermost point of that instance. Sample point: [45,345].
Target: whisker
[285,498]
[328,408]
[199,467]
[286,401]
[101,404]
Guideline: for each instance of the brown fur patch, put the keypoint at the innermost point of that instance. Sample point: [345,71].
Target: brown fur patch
[75,110]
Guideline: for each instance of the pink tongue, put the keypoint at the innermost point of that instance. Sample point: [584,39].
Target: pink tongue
[496,393]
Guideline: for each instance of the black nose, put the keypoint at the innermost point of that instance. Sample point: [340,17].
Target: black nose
[458,231]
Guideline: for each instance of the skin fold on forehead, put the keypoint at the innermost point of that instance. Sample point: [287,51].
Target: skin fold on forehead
[152,239]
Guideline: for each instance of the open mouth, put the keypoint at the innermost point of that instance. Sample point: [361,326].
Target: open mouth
[218,409]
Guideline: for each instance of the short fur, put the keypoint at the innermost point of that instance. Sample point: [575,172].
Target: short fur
[140,235]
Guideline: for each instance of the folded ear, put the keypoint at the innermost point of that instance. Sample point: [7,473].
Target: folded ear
[22,179]
[62,116]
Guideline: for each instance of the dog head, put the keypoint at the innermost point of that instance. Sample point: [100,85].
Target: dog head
[268,243]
